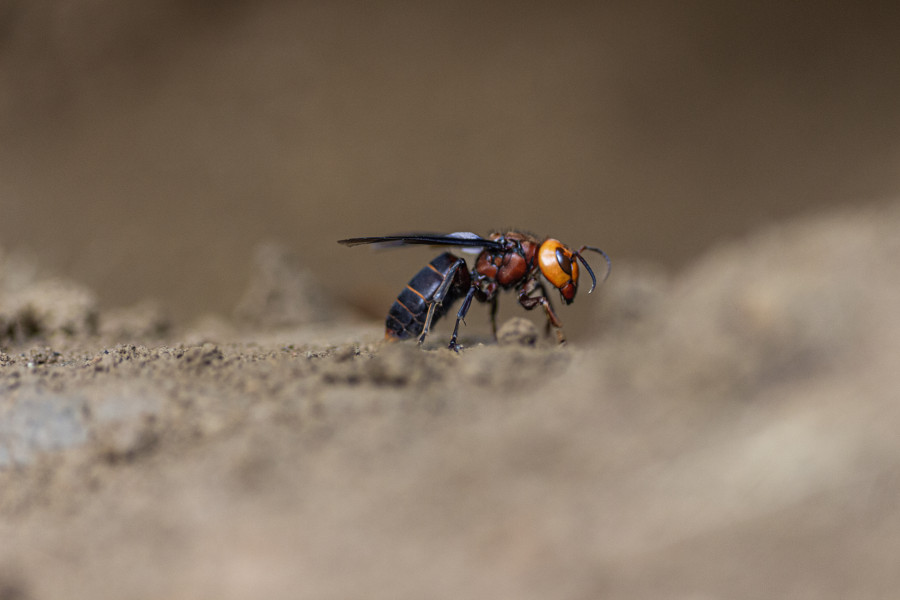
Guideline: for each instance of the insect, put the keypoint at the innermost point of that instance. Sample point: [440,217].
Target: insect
[511,260]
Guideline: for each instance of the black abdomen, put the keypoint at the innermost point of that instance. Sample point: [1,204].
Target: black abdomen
[406,319]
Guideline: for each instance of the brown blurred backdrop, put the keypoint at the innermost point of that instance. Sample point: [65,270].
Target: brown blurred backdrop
[148,146]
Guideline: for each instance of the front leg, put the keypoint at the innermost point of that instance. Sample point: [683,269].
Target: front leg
[529,302]
[540,286]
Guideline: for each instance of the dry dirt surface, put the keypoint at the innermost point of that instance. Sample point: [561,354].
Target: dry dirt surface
[730,432]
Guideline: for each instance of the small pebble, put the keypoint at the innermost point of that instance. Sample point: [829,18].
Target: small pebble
[517,332]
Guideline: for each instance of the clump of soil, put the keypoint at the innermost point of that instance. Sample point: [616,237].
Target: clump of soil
[32,306]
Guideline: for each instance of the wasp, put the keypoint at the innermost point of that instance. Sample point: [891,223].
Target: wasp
[511,260]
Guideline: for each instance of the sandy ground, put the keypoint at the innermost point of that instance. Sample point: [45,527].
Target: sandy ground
[729,431]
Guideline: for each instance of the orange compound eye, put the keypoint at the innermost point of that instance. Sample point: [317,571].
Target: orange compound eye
[559,267]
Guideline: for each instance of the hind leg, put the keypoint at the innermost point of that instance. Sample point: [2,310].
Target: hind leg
[458,272]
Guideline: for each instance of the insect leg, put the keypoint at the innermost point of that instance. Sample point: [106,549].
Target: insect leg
[461,316]
[437,298]
[428,318]
[529,302]
[494,316]
[543,290]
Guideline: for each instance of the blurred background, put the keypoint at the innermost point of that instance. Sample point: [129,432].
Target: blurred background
[147,147]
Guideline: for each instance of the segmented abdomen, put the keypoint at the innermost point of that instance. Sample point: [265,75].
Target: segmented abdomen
[406,319]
